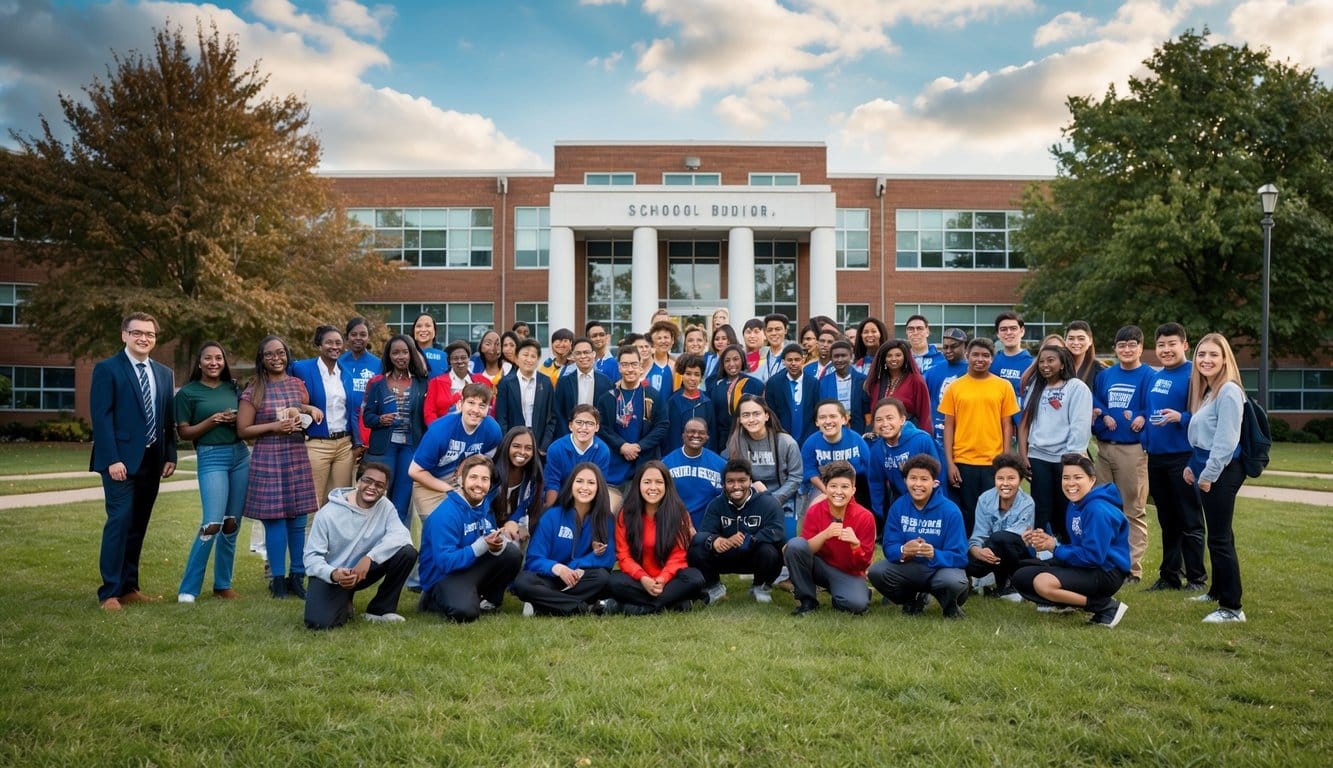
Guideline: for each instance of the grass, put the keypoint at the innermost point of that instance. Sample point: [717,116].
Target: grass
[37,458]
[1302,457]
[43,484]
[737,684]
[1271,480]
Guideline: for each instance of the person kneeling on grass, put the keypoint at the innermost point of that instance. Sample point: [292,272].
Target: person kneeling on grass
[836,545]
[466,562]
[925,545]
[1004,514]
[741,532]
[572,550]
[1087,571]
[356,541]
[652,536]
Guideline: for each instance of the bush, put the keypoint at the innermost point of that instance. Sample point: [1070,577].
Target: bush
[15,432]
[1321,428]
[65,429]
[1300,436]
[1281,430]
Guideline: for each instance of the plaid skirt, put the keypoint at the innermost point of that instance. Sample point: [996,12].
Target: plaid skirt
[281,484]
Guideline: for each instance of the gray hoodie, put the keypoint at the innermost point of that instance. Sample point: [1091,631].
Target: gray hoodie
[343,533]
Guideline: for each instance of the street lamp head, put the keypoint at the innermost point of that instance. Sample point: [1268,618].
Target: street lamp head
[1268,199]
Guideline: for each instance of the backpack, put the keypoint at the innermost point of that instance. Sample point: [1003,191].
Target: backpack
[1256,438]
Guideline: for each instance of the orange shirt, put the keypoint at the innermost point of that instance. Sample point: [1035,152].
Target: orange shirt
[979,408]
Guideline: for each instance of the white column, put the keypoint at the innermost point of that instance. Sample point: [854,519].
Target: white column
[740,276]
[643,274]
[823,272]
[560,280]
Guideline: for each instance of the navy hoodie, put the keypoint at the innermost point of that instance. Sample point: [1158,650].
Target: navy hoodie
[1098,532]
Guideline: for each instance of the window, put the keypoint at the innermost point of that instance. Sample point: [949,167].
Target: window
[454,320]
[958,240]
[12,297]
[692,179]
[38,389]
[976,319]
[534,313]
[775,179]
[853,246]
[459,238]
[694,273]
[852,314]
[775,280]
[532,238]
[1294,389]
[608,179]
[609,282]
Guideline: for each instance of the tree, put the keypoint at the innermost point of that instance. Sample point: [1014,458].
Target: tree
[187,193]
[1154,214]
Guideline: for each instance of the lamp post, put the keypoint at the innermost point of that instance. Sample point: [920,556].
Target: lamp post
[1268,202]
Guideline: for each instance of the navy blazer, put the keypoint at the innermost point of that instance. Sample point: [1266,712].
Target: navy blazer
[828,390]
[509,406]
[567,397]
[777,393]
[308,372]
[120,426]
[378,394]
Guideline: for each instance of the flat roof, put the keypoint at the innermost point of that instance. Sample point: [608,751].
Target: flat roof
[685,143]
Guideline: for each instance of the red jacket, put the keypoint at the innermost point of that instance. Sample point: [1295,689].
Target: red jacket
[839,554]
[440,397]
[913,393]
[649,566]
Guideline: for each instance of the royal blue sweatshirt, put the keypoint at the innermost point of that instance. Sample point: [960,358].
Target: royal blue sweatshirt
[1168,388]
[698,480]
[885,462]
[940,523]
[447,442]
[817,452]
[563,456]
[938,380]
[1117,391]
[559,540]
[1098,532]
[1011,367]
[452,538]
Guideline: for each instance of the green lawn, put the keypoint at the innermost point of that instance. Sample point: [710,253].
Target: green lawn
[1271,480]
[737,684]
[1302,457]
[41,485]
[38,458]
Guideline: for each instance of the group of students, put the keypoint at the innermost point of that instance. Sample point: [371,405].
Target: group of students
[628,481]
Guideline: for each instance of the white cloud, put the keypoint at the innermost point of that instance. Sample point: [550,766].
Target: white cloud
[607,63]
[1299,31]
[45,49]
[761,104]
[601,2]
[1069,24]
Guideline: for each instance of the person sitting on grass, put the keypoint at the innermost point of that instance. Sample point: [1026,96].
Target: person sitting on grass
[742,531]
[1004,514]
[466,562]
[572,550]
[356,541]
[652,538]
[1086,572]
[836,545]
[925,545]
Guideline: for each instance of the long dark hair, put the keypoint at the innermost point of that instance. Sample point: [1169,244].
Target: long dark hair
[672,517]
[600,515]
[528,479]
[1091,366]
[197,370]
[721,373]
[261,373]
[859,348]
[774,428]
[416,364]
[879,369]
[1032,400]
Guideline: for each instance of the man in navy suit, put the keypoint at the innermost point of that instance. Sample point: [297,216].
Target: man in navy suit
[846,385]
[134,448]
[793,393]
[582,387]
[524,396]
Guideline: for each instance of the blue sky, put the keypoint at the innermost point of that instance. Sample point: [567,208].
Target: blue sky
[891,86]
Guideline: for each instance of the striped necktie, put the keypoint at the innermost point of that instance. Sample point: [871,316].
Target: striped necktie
[146,393]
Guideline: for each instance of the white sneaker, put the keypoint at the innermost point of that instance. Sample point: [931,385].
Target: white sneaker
[528,610]
[762,593]
[383,618]
[488,607]
[185,598]
[1224,616]
[985,581]
[783,575]
[715,593]
[1203,597]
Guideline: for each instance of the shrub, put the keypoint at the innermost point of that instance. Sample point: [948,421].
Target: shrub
[1321,428]
[1281,430]
[1300,436]
[17,432]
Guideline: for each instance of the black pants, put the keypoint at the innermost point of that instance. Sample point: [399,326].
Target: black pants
[330,605]
[902,582]
[1219,506]
[1009,547]
[683,587]
[1180,516]
[1048,498]
[550,597]
[458,596]
[976,481]
[762,559]
[1096,584]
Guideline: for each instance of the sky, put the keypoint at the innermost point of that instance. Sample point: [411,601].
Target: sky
[966,87]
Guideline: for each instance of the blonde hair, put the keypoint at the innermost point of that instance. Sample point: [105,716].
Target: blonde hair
[1199,386]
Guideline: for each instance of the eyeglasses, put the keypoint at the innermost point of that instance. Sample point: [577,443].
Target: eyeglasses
[584,423]
[373,483]
[137,334]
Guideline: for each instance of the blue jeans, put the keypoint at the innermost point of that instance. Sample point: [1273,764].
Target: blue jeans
[399,458]
[285,533]
[224,471]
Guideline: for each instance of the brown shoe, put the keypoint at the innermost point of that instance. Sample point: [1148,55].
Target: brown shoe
[138,597]
[227,594]
[111,604]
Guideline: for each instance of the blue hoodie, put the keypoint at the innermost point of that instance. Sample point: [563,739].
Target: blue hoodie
[452,538]
[553,543]
[884,464]
[940,523]
[1098,532]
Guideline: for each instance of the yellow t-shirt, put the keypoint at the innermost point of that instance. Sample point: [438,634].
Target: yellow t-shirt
[979,408]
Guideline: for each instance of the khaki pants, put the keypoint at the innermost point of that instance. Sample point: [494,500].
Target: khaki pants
[331,464]
[1127,467]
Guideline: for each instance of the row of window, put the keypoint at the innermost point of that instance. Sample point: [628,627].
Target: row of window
[37,388]
[626,179]
[462,238]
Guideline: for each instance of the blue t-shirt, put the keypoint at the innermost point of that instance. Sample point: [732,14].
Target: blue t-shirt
[446,443]
[818,451]
[938,380]
[1169,388]
[1117,391]
[698,480]
[1011,367]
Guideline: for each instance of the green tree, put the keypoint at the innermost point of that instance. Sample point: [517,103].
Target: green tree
[187,192]
[1154,213]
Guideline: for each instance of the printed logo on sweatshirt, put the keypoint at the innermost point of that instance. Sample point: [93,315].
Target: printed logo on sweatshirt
[744,521]
[925,527]
[823,457]
[1162,387]
[702,473]
[1076,526]
[457,450]
[565,532]
[1120,395]
[762,458]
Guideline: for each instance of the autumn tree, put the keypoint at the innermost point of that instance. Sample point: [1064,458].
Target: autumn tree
[187,191]
[1154,215]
